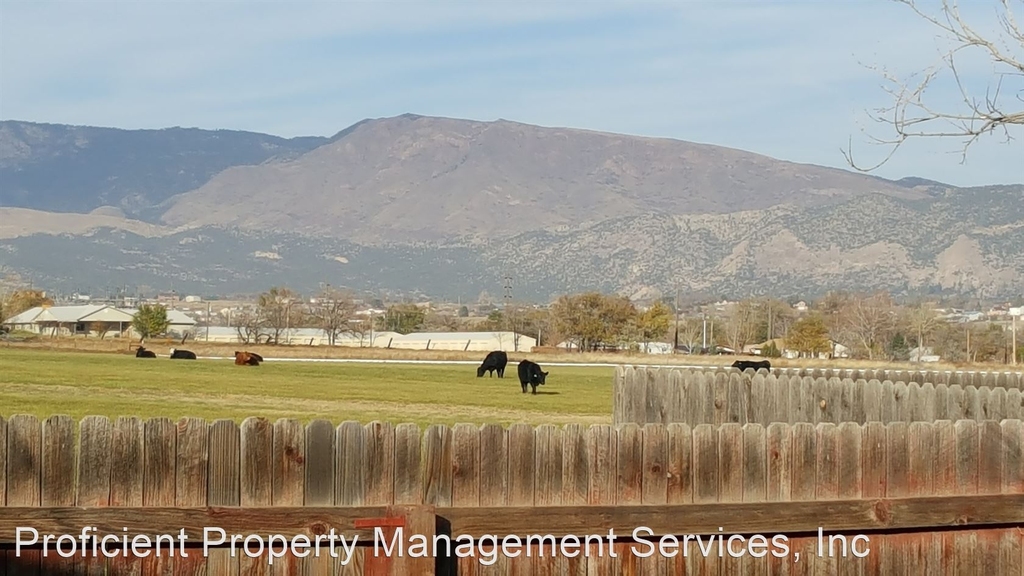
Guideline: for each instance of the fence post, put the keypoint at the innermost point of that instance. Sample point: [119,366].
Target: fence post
[412,521]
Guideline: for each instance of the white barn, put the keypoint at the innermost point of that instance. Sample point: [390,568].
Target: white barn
[468,341]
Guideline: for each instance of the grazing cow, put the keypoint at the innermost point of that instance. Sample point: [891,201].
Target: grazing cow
[496,360]
[742,365]
[143,353]
[182,354]
[247,359]
[530,374]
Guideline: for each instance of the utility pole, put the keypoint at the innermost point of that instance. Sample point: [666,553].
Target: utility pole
[1013,330]
[704,331]
[1014,313]
[209,320]
[507,297]
[675,346]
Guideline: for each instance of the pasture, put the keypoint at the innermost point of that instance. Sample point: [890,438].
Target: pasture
[43,383]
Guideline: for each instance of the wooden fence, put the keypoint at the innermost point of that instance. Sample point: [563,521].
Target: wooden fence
[976,378]
[662,396]
[933,497]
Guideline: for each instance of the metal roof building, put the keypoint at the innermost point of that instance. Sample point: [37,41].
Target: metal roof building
[471,341]
[90,319]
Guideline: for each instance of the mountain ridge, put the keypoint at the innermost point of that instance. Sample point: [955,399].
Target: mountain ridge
[450,206]
[406,177]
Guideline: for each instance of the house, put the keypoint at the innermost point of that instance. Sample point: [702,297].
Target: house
[89,320]
[838,350]
[926,354]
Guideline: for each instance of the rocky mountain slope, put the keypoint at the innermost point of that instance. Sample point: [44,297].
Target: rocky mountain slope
[967,241]
[449,207]
[64,168]
[421,179]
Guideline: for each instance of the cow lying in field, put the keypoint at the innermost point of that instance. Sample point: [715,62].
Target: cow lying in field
[143,353]
[182,354]
[495,361]
[247,359]
[530,375]
[742,365]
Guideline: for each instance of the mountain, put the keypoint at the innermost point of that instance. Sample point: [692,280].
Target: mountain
[448,207]
[423,179]
[79,168]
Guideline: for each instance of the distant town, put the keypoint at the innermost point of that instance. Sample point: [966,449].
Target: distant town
[839,325]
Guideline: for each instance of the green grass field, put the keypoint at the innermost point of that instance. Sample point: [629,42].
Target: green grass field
[44,383]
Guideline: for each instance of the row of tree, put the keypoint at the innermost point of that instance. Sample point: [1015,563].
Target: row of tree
[590,321]
[870,326]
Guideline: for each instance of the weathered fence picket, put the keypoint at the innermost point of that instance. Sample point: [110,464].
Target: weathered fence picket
[193,464]
[964,378]
[644,395]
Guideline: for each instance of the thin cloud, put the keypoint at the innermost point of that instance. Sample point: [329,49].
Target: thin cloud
[782,78]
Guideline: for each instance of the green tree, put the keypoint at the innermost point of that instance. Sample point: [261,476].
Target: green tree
[592,319]
[654,322]
[463,312]
[401,318]
[771,350]
[898,348]
[809,336]
[150,320]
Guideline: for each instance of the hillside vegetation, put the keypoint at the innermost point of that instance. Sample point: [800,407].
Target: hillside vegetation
[448,207]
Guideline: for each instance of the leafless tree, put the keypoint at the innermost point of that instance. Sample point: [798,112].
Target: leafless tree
[869,321]
[741,324]
[249,325]
[362,328]
[332,311]
[690,330]
[922,321]
[914,114]
[275,309]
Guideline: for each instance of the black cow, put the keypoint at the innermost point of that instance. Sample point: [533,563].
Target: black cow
[530,374]
[143,353]
[495,361]
[256,356]
[182,354]
[742,365]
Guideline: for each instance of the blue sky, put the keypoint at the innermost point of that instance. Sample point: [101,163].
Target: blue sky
[788,79]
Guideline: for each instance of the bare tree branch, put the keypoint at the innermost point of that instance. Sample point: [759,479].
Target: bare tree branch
[913,116]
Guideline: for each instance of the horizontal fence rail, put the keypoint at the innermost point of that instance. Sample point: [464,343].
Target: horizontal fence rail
[977,378]
[659,396]
[947,494]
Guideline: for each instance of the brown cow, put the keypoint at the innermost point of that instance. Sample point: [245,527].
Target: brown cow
[247,359]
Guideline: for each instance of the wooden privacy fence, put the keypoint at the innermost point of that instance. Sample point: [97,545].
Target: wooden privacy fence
[932,497]
[662,396]
[976,378]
